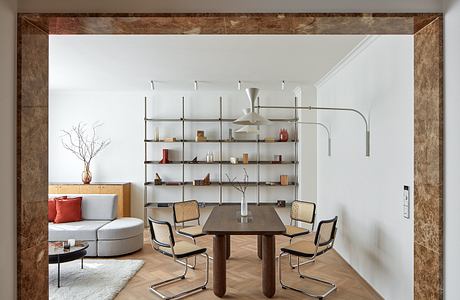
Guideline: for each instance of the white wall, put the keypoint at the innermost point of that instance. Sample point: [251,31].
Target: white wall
[122,115]
[452,148]
[307,146]
[366,192]
[7,149]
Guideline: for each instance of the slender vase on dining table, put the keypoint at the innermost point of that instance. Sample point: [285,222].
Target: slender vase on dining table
[244,206]
[241,187]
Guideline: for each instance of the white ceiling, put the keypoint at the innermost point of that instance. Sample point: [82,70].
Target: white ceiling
[129,62]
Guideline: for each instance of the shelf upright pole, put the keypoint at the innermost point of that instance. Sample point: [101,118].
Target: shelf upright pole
[183,149]
[220,155]
[258,156]
[296,153]
[145,158]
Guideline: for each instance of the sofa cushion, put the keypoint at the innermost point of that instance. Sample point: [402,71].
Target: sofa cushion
[82,230]
[68,210]
[121,228]
[97,206]
[52,207]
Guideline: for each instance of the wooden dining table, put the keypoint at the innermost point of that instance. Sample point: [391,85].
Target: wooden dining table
[226,220]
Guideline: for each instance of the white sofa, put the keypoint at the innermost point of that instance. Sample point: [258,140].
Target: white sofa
[105,234]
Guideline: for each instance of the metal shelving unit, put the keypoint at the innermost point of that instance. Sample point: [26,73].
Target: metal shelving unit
[220,183]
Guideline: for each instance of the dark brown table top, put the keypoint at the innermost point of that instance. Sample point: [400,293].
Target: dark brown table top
[226,219]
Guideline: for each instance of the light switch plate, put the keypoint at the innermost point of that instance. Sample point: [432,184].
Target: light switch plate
[406,202]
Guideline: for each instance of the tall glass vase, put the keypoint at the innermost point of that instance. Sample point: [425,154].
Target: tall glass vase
[244,206]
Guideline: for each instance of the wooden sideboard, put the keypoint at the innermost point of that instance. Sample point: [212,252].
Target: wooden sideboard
[122,190]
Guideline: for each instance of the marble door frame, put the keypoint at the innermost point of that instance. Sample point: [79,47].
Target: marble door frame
[32,116]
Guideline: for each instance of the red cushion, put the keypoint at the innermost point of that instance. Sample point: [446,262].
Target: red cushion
[68,210]
[52,207]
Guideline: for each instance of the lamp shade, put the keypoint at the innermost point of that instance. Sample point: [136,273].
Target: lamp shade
[252,118]
[248,129]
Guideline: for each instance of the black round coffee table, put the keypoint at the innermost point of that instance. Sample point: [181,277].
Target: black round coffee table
[57,254]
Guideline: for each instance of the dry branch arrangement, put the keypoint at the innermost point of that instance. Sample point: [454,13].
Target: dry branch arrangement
[84,145]
[238,185]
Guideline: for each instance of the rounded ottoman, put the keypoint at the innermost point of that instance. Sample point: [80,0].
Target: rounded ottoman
[121,236]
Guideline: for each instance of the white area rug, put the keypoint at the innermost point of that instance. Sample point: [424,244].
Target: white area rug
[100,279]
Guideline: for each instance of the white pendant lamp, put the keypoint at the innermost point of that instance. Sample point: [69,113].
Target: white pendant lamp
[248,129]
[252,118]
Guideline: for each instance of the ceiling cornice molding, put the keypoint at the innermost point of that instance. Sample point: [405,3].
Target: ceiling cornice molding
[366,42]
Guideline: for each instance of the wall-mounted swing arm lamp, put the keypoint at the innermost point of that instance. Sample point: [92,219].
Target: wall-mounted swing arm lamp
[327,130]
[366,123]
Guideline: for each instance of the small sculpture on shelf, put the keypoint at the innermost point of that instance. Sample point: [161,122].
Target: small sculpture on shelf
[234,160]
[165,159]
[277,159]
[157,180]
[284,180]
[210,157]
[230,135]
[245,158]
[205,181]
[284,135]
[156,134]
[195,160]
[200,137]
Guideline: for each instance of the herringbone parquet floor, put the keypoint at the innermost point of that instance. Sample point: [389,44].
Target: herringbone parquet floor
[243,274]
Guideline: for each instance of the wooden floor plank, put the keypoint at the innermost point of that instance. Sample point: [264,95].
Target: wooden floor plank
[244,274]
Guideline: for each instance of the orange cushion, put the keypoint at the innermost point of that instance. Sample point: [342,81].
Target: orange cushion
[68,210]
[52,208]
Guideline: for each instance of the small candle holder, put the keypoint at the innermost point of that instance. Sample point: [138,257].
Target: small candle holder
[66,245]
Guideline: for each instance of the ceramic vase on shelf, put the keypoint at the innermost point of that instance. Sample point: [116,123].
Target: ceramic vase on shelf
[165,159]
[244,206]
[284,135]
[86,176]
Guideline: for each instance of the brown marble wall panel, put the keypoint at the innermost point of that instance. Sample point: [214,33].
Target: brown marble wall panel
[34,279]
[139,25]
[365,24]
[428,161]
[33,115]
[282,23]
[32,160]
[32,92]
[427,274]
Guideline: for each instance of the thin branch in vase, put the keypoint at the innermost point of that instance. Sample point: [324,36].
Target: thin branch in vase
[83,145]
[239,186]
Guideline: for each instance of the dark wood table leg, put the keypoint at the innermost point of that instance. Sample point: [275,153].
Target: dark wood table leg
[268,265]
[259,246]
[219,265]
[227,246]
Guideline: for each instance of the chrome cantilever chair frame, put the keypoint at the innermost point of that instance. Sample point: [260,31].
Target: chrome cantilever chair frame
[183,226]
[332,285]
[154,287]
